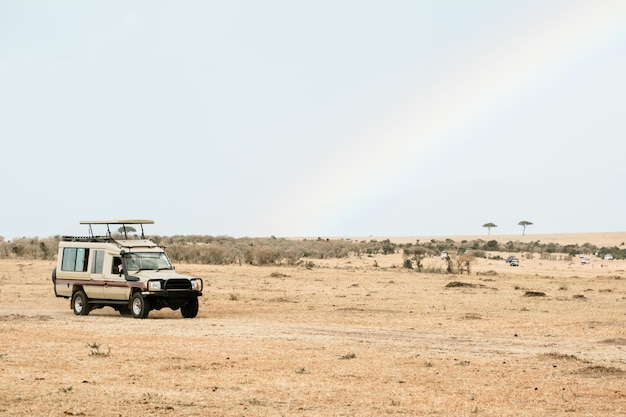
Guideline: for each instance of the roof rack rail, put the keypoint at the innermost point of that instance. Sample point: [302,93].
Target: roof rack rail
[123,230]
[87,239]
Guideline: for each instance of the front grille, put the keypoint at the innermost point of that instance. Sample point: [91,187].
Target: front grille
[177,284]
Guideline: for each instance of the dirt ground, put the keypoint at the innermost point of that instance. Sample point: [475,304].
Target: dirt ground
[345,338]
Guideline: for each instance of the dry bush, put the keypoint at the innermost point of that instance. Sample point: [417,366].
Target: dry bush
[534,294]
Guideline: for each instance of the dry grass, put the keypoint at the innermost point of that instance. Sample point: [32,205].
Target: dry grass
[345,338]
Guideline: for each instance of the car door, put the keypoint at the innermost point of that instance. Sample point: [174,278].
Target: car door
[116,287]
[96,274]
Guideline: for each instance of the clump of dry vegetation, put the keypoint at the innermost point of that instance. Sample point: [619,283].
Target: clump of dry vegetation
[534,294]
[459,284]
[601,371]
[95,350]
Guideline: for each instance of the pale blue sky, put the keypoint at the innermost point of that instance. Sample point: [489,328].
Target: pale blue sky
[321,118]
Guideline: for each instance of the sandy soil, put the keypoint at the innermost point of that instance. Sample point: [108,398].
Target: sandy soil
[345,338]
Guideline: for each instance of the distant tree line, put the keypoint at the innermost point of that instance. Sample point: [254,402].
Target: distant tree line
[224,250]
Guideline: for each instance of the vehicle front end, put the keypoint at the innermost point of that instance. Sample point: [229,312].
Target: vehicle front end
[159,285]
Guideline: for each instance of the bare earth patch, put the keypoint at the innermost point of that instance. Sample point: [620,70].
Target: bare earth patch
[345,338]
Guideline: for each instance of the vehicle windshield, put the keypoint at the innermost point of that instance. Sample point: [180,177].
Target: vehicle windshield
[136,261]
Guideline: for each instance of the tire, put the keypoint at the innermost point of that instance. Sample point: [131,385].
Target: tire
[80,303]
[139,306]
[190,310]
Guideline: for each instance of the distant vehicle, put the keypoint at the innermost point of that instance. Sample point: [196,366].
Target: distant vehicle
[509,259]
[514,262]
[584,260]
[608,257]
[444,255]
[133,276]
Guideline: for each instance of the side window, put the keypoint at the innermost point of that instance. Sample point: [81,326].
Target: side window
[75,259]
[117,265]
[97,262]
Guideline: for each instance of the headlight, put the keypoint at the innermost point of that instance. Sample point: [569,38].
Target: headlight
[154,285]
[196,284]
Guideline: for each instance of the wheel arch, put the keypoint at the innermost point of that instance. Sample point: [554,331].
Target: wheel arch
[77,287]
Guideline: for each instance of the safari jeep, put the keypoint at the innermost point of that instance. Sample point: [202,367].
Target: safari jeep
[132,275]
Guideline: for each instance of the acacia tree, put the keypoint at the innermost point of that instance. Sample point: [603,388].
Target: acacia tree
[524,223]
[128,229]
[489,226]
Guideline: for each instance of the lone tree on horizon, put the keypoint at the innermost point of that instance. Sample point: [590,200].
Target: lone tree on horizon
[489,226]
[524,224]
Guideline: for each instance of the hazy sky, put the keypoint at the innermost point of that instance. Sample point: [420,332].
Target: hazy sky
[317,118]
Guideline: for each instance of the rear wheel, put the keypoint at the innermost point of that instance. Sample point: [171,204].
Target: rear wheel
[80,304]
[139,306]
[190,310]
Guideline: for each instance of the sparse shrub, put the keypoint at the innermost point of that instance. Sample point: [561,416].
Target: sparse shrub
[534,294]
[348,356]
[560,356]
[492,245]
[601,371]
[458,284]
[95,350]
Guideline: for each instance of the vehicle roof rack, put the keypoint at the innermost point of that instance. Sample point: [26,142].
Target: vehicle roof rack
[122,222]
[87,239]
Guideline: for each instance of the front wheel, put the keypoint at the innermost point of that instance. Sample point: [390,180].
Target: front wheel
[190,310]
[139,306]
[80,304]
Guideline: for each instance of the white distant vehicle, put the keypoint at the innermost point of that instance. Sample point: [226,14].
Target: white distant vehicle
[444,255]
[608,257]
[584,260]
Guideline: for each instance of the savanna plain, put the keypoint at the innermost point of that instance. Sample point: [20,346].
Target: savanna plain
[357,336]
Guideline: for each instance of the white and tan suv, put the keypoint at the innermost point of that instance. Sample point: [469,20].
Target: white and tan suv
[132,275]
